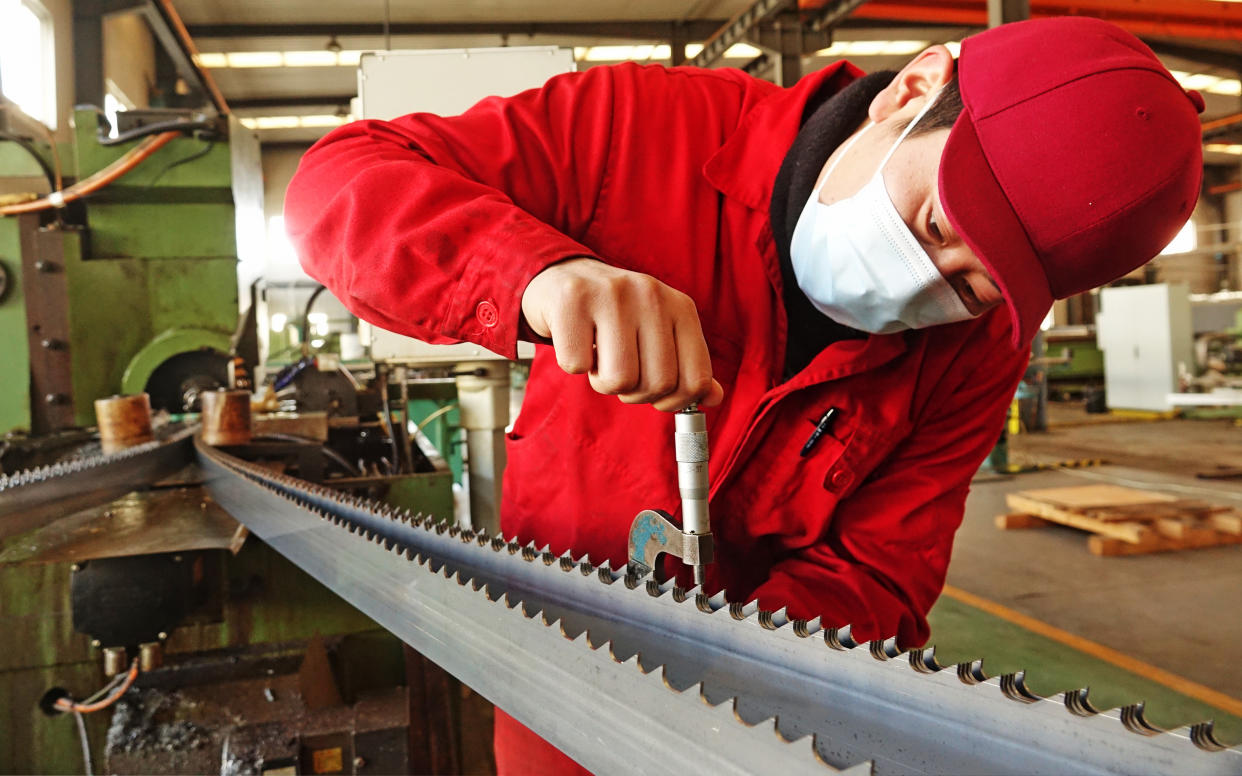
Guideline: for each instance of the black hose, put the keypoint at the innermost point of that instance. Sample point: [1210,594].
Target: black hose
[327,451]
[211,143]
[29,148]
[159,127]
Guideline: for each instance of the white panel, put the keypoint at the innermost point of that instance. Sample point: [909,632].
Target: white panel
[446,82]
[1145,333]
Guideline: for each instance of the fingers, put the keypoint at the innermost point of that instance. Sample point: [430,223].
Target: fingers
[695,382]
[657,365]
[633,336]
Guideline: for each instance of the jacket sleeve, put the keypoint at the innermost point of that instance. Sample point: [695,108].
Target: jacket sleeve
[882,563]
[432,226]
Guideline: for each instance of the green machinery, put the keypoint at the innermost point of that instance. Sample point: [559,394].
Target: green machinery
[137,291]
[142,296]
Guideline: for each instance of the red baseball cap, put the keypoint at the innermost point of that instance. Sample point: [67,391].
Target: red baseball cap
[1076,159]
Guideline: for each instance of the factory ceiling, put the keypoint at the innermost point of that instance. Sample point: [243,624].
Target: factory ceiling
[289,66]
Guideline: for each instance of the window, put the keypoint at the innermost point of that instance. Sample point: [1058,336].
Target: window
[27,62]
[1184,242]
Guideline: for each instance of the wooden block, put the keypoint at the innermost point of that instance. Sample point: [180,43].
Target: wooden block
[1226,523]
[1189,531]
[1134,533]
[1170,509]
[1015,520]
[1091,496]
[1108,546]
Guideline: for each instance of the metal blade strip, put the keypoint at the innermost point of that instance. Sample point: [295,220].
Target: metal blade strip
[858,703]
[32,498]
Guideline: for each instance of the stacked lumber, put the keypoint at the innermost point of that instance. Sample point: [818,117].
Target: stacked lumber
[1125,521]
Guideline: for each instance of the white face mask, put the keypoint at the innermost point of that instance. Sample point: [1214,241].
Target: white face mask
[859,264]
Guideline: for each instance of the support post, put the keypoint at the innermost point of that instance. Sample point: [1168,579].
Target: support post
[1006,11]
[483,399]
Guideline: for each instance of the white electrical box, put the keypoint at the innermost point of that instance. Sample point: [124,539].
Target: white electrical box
[1145,333]
[446,82]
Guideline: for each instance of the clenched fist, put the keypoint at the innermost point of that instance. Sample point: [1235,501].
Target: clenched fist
[634,337]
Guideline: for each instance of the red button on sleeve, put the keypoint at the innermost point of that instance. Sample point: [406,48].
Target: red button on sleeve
[487,314]
[841,479]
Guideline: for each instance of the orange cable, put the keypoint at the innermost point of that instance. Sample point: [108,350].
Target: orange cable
[64,704]
[98,180]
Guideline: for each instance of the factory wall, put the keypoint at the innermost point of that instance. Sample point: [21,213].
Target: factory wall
[129,57]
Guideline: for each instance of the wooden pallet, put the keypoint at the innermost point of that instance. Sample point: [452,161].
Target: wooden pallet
[1125,521]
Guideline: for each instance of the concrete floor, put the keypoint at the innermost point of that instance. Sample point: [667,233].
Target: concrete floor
[1179,611]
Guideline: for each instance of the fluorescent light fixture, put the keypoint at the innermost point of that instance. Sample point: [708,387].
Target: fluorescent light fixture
[1205,82]
[1224,148]
[256,59]
[323,58]
[251,59]
[1227,86]
[873,48]
[293,122]
[279,322]
[212,59]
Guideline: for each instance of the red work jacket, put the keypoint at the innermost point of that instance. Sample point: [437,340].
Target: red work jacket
[433,226]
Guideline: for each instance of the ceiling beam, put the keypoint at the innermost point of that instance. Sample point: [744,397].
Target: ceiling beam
[692,29]
[1169,18]
[253,103]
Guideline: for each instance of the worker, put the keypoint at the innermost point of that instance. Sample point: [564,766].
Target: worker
[846,274]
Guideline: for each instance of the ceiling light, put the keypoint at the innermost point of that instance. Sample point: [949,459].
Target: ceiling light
[1227,86]
[1224,148]
[255,59]
[310,59]
[252,59]
[323,120]
[211,59]
[315,121]
[333,45]
[872,48]
[276,122]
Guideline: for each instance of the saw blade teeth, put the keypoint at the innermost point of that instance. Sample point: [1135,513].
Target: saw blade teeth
[971,672]
[498,543]
[1134,718]
[704,603]
[1203,734]
[409,553]
[1014,688]
[806,628]
[680,594]
[743,611]
[770,620]
[586,568]
[839,638]
[513,547]
[529,553]
[924,660]
[549,558]
[1079,702]
[482,539]
[566,562]
[885,649]
[653,588]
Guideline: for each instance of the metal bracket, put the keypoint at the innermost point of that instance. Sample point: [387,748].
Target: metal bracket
[653,534]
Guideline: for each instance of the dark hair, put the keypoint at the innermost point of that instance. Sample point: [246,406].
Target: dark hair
[942,114]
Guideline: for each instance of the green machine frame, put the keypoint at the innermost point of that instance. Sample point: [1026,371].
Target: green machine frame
[93,310]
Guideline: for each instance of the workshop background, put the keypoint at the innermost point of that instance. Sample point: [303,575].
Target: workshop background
[195,434]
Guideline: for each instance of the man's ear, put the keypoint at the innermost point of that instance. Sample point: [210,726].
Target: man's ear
[921,76]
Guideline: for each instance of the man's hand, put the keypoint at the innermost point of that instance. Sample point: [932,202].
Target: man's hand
[635,337]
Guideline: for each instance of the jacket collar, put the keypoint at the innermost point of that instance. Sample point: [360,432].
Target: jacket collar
[745,166]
